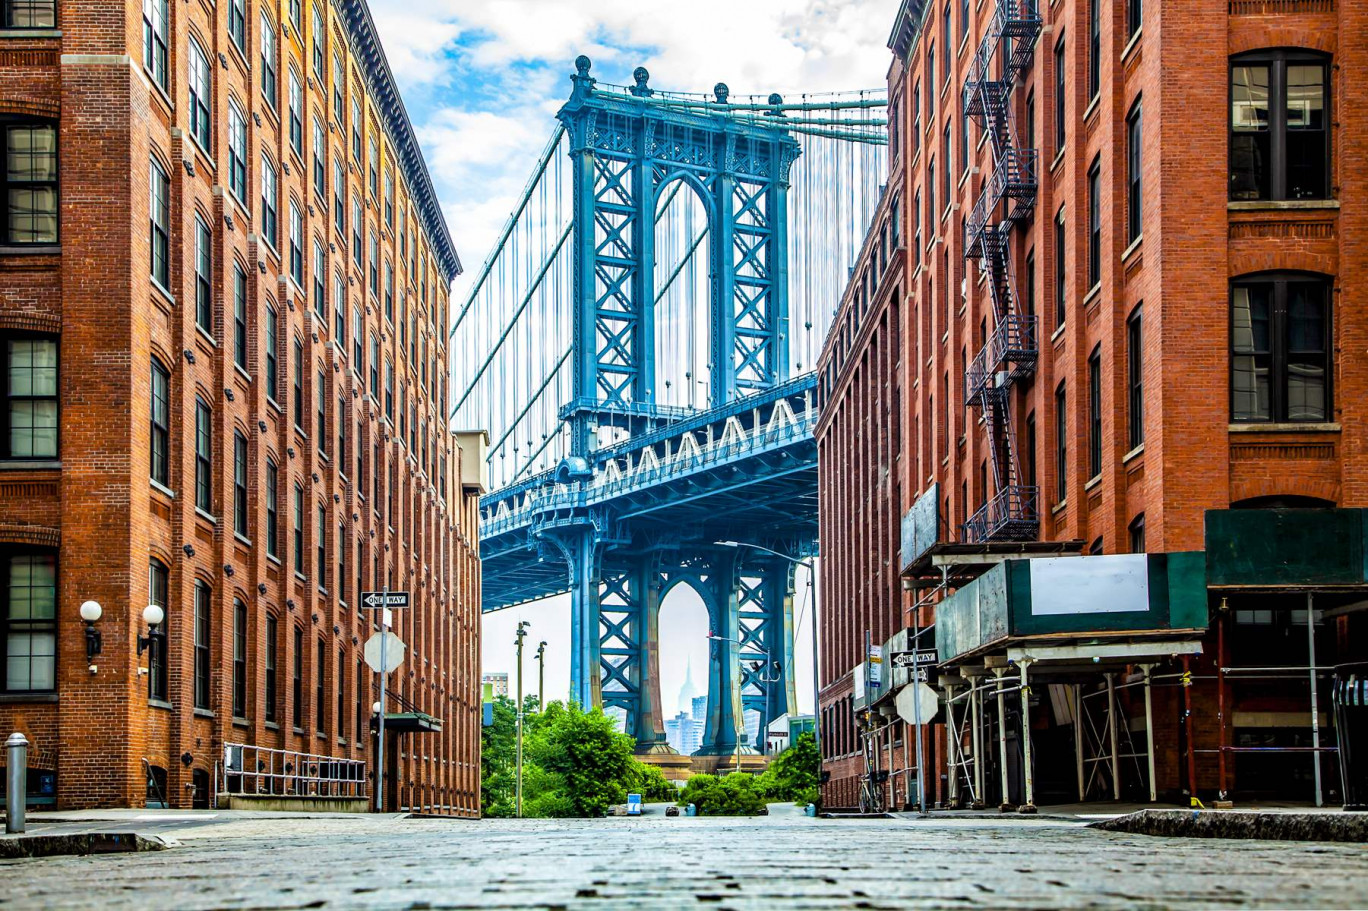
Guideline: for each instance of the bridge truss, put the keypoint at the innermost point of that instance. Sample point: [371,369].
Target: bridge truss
[640,346]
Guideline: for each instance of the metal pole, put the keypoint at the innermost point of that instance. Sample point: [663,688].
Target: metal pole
[1221,618]
[1029,805]
[522,633]
[380,746]
[954,751]
[1187,729]
[1078,740]
[816,706]
[1149,731]
[916,713]
[16,782]
[541,675]
[1002,742]
[1111,737]
[975,699]
[1315,712]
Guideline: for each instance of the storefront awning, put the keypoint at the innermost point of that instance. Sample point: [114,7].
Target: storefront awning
[1287,548]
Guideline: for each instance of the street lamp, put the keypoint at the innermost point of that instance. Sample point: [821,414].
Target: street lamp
[522,634]
[812,575]
[91,612]
[541,675]
[152,615]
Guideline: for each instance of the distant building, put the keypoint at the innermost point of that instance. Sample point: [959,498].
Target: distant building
[684,733]
[498,681]
[700,707]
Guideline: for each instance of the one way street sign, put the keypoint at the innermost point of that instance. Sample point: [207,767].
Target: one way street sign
[384,599]
[924,658]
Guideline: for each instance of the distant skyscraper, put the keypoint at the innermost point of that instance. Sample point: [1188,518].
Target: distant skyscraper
[499,682]
[684,732]
[700,708]
[688,692]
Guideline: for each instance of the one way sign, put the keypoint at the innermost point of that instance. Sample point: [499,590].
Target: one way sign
[384,599]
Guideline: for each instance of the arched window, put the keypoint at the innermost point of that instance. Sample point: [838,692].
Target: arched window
[157,578]
[1280,368]
[1279,130]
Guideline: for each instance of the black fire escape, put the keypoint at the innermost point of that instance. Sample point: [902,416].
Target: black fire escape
[1009,195]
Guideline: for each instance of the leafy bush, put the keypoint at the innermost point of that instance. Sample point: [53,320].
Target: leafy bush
[738,794]
[651,783]
[794,773]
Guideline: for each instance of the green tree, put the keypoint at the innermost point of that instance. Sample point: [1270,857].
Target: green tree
[794,773]
[738,794]
[592,759]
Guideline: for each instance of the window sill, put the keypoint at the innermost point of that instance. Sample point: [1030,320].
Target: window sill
[1289,427]
[273,558]
[30,249]
[9,698]
[242,539]
[1093,293]
[1058,333]
[1134,245]
[242,373]
[212,520]
[162,291]
[274,405]
[205,336]
[1059,507]
[1093,482]
[161,704]
[162,489]
[241,722]
[1092,107]
[1132,43]
[203,713]
[30,33]
[1280,205]
[30,464]
[1059,156]
[271,726]
[300,577]
[1137,451]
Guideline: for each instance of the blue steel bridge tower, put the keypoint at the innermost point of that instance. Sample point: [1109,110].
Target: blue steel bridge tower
[647,495]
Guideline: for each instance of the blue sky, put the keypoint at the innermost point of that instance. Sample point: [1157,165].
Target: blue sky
[482,80]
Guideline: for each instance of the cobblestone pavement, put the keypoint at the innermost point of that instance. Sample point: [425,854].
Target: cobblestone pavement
[780,861]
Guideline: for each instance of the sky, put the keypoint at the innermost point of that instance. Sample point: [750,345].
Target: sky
[482,80]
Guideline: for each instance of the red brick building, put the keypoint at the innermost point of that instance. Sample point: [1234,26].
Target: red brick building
[1106,309]
[222,321]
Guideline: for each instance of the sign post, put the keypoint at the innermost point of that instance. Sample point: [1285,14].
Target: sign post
[383,600]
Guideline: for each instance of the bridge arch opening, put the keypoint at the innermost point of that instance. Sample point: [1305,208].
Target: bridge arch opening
[683,296]
[683,658]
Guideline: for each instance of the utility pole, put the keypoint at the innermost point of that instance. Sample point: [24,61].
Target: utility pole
[522,634]
[380,734]
[541,676]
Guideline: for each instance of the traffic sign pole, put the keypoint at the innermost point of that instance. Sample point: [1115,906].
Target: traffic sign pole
[380,749]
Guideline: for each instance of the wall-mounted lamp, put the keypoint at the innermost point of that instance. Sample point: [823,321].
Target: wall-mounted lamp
[153,616]
[91,612]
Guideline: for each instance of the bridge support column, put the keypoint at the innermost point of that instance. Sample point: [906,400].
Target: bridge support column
[765,593]
[629,603]
[582,552]
[721,732]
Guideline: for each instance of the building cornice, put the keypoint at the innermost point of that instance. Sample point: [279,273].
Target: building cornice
[367,48]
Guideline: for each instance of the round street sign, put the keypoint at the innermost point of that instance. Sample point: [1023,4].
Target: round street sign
[394,652]
[907,708]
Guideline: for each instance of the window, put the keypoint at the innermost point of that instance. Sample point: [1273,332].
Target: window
[356,129]
[30,621]
[296,243]
[299,529]
[1095,223]
[159,216]
[320,149]
[339,88]
[239,659]
[373,265]
[320,277]
[1061,129]
[389,292]
[237,23]
[161,423]
[237,152]
[201,94]
[945,172]
[1135,17]
[296,114]
[340,583]
[1095,413]
[1030,468]
[1134,174]
[1280,341]
[204,277]
[272,355]
[340,199]
[155,17]
[298,389]
[202,638]
[1135,378]
[157,579]
[1137,534]
[389,391]
[320,680]
[947,41]
[1030,121]
[1061,445]
[32,14]
[1028,285]
[342,433]
[30,390]
[321,548]
[358,364]
[204,455]
[1279,140]
[269,203]
[1059,276]
[297,681]
[239,317]
[339,692]
[373,164]
[356,230]
[317,38]
[272,640]
[339,309]
[270,86]
[240,484]
[1094,48]
[321,411]
[374,366]
[272,509]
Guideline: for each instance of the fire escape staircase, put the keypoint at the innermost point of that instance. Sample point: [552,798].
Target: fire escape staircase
[1008,197]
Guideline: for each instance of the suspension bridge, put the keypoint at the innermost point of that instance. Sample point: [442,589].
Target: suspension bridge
[640,345]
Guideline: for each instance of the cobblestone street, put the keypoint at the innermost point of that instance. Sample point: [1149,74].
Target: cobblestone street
[783,860]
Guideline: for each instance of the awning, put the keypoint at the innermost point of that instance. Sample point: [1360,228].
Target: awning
[412,723]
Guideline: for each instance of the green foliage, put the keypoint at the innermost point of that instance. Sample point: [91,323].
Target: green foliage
[575,763]
[794,773]
[738,794]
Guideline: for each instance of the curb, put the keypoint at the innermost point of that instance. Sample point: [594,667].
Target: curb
[22,846]
[1339,827]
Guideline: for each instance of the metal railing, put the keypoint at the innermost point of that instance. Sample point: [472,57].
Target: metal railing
[254,771]
[1010,515]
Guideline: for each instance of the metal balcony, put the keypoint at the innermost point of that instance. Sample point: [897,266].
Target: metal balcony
[1010,515]
[1009,354]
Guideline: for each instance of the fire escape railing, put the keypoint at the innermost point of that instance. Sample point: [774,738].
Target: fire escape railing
[1008,197]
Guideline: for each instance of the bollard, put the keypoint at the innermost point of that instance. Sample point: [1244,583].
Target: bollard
[16,781]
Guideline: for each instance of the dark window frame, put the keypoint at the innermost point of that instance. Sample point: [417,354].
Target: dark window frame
[159,419]
[1095,413]
[158,586]
[203,638]
[204,456]
[1277,61]
[10,398]
[271,656]
[9,554]
[10,21]
[1135,172]
[1135,377]
[272,509]
[239,658]
[1061,402]
[1280,347]
[240,522]
[1095,223]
